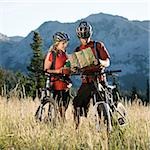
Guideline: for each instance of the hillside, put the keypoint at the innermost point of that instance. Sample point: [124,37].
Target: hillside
[127,42]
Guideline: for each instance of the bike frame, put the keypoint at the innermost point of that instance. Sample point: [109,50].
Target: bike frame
[106,97]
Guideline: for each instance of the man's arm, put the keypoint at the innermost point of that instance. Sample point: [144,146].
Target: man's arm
[48,63]
[104,63]
[104,55]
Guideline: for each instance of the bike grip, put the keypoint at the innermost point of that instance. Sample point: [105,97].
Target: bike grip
[117,70]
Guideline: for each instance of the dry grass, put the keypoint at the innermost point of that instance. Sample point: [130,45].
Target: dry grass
[20,131]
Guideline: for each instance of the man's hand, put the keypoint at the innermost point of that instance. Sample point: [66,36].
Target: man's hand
[91,68]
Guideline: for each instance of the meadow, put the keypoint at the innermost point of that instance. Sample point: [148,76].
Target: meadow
[20,131]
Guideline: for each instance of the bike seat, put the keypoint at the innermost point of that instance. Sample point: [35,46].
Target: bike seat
[111,87]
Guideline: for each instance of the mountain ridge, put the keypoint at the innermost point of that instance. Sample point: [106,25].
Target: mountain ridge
[126,41]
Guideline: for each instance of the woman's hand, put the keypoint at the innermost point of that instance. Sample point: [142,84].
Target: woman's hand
[66,71]
[62,70]
[59,71]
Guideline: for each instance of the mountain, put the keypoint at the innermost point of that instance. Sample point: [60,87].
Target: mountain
[16,38]
[3,37]
[127,42]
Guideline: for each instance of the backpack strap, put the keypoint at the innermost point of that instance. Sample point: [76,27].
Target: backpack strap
[77,49]
[53,60]
[96,51]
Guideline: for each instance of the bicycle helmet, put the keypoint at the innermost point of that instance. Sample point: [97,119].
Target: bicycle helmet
[60,36]
[84,30]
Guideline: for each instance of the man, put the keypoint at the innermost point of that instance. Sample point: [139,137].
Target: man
[82,100]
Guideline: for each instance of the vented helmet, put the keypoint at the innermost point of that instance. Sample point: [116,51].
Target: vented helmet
[60,36]
[84,30]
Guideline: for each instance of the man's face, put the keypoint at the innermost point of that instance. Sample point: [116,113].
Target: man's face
[84,41]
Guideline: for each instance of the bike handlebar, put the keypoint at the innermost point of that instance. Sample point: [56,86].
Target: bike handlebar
[65,78]
[107,72]
[62,77]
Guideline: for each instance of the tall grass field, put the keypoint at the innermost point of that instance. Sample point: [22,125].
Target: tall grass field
[20,131]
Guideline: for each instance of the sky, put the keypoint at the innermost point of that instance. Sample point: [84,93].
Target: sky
[19,17]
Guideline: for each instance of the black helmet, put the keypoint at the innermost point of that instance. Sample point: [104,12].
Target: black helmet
[60,36]
[84,30]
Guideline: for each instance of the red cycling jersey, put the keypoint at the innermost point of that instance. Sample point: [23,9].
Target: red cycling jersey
[60,60]
[102,53]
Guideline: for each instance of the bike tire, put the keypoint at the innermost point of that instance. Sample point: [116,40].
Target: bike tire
[103,115]
[47,110]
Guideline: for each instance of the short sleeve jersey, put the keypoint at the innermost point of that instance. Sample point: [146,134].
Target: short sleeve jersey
[101,52]
[60,61]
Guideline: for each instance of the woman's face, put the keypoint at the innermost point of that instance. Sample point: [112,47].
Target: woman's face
[62,45]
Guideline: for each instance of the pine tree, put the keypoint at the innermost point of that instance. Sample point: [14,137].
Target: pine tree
[36,66]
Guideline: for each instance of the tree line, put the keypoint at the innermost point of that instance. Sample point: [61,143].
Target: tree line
[25,85]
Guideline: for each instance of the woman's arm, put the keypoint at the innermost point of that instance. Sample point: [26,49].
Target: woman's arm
[48,64]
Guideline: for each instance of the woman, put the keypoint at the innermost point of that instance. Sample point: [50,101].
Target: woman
[54,63]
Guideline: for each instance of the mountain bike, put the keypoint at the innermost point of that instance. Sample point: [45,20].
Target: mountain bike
[103,102]
[106,109]
[48,110]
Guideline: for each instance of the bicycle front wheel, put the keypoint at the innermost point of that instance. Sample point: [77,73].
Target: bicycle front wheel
[103,116]
[47,111]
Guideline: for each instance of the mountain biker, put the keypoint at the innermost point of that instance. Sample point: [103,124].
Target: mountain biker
[54,64]
[82,100]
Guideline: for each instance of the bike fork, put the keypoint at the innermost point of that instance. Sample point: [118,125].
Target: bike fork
[97,125]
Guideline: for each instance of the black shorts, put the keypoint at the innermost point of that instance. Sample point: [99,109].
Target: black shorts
[62,98]
[82,100]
